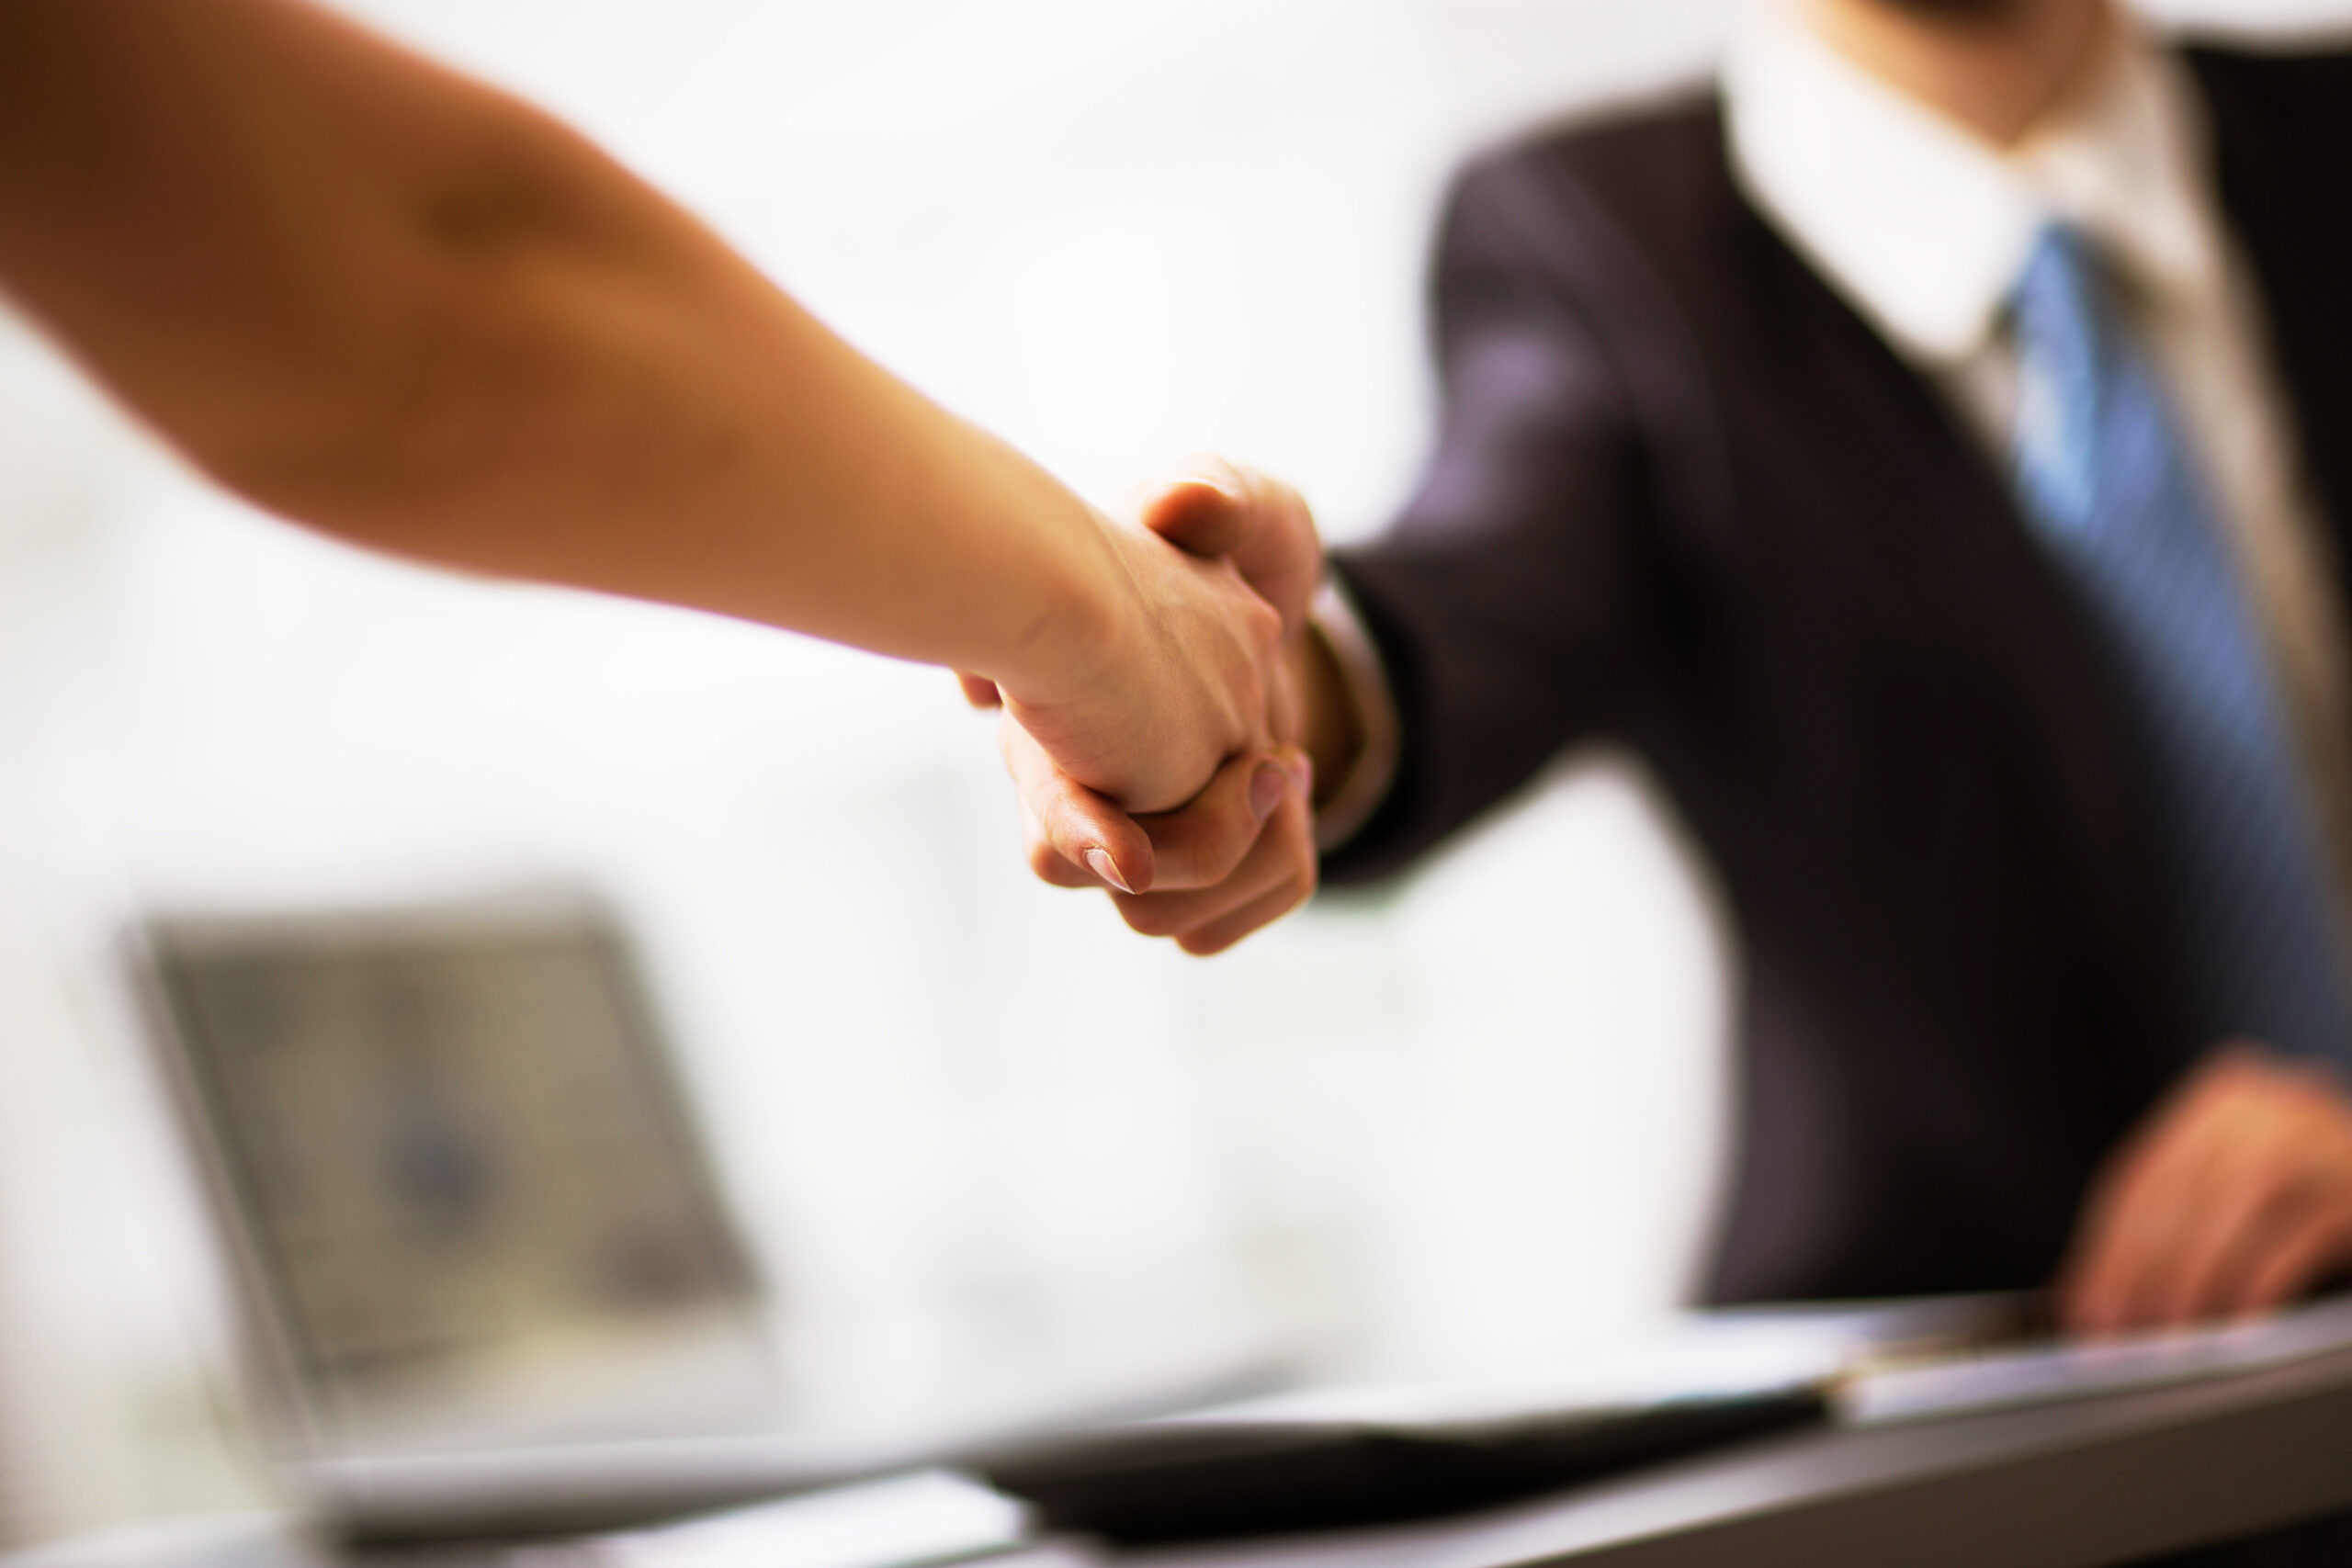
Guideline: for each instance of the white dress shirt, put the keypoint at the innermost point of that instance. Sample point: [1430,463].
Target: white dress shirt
[1924,228]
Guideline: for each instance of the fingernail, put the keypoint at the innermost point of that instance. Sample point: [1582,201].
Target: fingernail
[1302,772]
[1266,788]
[1100,863]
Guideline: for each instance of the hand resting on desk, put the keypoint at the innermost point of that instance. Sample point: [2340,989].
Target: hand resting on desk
[2233,1198]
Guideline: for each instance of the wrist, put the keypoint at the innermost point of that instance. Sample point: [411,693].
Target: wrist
[1084,616]
[1348,718]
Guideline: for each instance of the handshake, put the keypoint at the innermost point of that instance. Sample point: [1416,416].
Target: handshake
[1168,753]
[595,392]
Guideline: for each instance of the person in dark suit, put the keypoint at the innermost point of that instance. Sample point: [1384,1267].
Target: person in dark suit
[1932,451]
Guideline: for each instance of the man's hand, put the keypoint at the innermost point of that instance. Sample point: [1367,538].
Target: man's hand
[1241,854]
[2233,1198]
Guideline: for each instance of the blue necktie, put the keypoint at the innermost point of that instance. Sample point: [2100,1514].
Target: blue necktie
[2111,491]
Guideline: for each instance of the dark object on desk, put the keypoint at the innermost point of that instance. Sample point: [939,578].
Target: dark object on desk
[1195,1480]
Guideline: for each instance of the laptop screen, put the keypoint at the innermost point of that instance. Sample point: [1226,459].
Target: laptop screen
[469,1194]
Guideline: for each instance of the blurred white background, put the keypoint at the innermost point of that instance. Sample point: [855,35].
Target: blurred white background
[994,1148]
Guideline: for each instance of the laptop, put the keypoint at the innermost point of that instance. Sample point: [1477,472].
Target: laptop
[488,1281]
[490,1285]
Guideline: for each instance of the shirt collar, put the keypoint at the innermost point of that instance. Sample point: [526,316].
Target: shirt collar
[1923,226]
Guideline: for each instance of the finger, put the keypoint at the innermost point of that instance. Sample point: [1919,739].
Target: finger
[1286,706]
[1046,861]
[2299,1257]
[2091,1285]
[1073,822]
[1284,850]
[2122,1229]
[2169,1212]
[1202,844]
[2222,1243]
[1220,934]
[979,691]
[1200,506]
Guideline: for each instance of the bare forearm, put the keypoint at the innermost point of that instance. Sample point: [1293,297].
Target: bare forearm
[393,303]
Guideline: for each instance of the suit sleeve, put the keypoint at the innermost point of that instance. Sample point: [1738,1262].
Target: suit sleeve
[1515,605]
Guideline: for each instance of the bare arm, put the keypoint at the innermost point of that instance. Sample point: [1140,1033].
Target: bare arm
[380,297]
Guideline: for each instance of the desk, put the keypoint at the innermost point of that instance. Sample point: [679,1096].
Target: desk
[2096,1481]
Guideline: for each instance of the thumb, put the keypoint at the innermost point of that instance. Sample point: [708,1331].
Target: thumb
[1210,507]
[1205,512]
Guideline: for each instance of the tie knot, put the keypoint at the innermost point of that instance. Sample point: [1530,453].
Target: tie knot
[2061,302]
[2067,356]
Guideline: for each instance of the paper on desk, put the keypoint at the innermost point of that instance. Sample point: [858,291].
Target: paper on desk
[2037,1374]
[1707,1358]
[927,1517]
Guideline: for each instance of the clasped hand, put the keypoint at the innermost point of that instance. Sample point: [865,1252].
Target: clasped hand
[1170,772]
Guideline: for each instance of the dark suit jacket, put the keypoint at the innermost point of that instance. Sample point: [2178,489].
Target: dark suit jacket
[1686,500]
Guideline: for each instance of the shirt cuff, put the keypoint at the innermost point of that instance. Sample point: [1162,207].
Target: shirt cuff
[1350,804]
